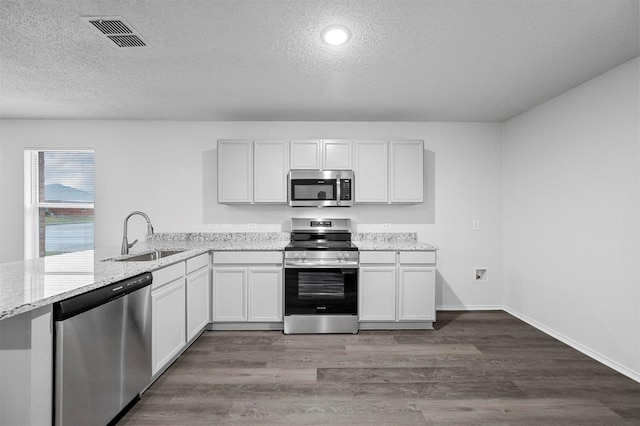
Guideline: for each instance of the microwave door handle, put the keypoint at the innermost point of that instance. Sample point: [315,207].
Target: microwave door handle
[338,191]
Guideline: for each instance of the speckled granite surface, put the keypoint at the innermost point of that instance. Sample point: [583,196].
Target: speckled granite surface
[25,286]
[392,241]
[28,285]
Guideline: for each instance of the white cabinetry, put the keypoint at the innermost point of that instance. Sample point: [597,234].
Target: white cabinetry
[396,289]
[265,294]
[168,315]
[229,293]
[235,171]
[389,172]
[306,154]
[180,308]
[252,171]
[416,293]
[328,154]
[406,171]
[270,167]
[26,368]
[377,293]
[255,172]
[198,295]
[371,169]
[247,288]
[336,155]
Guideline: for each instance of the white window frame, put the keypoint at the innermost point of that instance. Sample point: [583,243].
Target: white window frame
[32,203]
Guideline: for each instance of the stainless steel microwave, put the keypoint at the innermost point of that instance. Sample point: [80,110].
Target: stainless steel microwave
[326,188]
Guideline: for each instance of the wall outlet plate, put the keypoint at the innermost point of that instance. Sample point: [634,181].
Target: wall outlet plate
[481,275]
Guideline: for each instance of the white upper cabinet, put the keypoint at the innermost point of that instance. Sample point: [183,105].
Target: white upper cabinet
[321,154]
[271,164]
[252,171]
[306,154]
[406,171]
[336,155]
[235,171]
[371,167]
[255,172]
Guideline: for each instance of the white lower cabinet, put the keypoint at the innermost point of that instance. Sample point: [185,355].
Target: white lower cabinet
[416,293]
[396,288]
[229,294]
[247,287]
[168,315]
[198,295]
[377,293]
[180,308]
[264,299]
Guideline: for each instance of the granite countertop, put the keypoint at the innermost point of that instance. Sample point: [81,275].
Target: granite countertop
[390,241]
[31,284]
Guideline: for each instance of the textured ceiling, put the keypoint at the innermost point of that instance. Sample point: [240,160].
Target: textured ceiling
[423,60]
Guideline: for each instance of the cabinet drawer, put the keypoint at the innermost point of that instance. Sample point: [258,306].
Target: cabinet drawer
[197,262]
[378,257]
[417,257]
[167,274]
[247,257]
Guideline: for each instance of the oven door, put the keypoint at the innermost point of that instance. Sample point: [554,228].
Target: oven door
[321,291]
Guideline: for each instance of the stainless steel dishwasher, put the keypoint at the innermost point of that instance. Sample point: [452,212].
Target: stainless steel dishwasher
[102,351]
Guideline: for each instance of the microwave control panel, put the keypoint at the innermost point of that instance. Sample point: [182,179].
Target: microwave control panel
[345,189]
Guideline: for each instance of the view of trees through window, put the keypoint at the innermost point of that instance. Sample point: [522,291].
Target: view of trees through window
[65,200]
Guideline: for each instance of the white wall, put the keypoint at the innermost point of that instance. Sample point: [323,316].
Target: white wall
[168,170]
[572,217]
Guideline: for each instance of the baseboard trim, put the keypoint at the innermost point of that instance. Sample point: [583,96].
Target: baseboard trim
[575,345]
[470,308]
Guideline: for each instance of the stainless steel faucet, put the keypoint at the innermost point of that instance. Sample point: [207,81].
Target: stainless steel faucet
[125,243]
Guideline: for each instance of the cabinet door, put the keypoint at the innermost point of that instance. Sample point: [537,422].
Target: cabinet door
[265,294]
[168,318]
[336,155]
[377,293]
[271,164]
[416,293]
[229,294]
[371,171]
[198,302]
[235,171]
[305,154]
[406,171]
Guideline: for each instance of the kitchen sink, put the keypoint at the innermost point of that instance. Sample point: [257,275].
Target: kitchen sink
[146,257]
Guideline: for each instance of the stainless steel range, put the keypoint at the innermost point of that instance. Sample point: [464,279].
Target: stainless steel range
[321,277]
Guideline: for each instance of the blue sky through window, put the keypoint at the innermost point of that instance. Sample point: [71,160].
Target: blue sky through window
[69,176]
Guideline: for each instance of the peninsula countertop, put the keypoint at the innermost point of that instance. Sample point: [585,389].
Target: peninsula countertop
[28,285]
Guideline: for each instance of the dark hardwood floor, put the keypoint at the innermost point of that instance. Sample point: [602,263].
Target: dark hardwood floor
[474,368]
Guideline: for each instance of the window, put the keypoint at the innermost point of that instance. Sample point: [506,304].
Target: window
[59,187]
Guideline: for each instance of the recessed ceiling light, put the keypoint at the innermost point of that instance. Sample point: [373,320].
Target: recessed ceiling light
[336,35]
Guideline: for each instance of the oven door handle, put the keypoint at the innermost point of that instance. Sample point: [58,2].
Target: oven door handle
[306,264]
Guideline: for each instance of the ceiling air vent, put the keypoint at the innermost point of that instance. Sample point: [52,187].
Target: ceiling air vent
[118,31]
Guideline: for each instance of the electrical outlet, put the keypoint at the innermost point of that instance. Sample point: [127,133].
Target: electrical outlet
[213,226]
[252,225]
[386,226]
[475,225]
